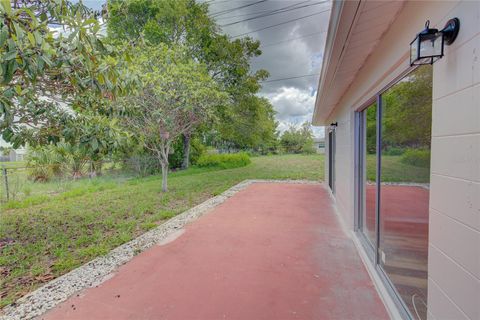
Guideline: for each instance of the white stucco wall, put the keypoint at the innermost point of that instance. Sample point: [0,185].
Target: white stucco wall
[454,231]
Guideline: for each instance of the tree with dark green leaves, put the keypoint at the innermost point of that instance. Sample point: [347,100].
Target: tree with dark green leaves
[54,65]
[251,124]
[298,140]
[187,23]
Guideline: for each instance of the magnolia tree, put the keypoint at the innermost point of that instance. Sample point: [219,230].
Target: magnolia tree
[177,95]
[53,65]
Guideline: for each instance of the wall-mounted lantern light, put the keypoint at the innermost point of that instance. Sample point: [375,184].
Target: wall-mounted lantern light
[333,126]
[427,47]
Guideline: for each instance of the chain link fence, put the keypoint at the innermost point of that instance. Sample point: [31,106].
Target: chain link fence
[17,184]
[13,183]
[19,181]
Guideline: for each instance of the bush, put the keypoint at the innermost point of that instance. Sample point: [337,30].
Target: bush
[197,148]
[417,157]
[44,163]
[393,151]
[49,161]
[225,160]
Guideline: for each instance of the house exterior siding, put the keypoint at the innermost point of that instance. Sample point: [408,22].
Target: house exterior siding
[454,244]
[454,221]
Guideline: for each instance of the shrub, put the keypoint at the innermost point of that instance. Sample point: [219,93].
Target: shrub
[417,157]
[224,160]
[44,163]
[393,151]
[49,161]
[197,148]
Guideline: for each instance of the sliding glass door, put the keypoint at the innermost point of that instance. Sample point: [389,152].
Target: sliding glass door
[394,192]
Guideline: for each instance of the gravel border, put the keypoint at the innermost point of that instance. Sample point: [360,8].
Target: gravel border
[99,270]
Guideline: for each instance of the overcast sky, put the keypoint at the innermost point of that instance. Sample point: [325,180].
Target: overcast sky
[283,57]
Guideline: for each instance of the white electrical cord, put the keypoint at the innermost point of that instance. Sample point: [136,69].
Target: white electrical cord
[415,307]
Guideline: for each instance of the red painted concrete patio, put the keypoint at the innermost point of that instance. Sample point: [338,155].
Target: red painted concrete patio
[272,251]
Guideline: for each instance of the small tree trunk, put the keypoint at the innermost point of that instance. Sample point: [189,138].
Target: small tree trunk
[162,154]
[186,151]
[164,177]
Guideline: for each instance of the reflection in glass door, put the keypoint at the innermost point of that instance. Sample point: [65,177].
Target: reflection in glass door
[399,158]
[404,188]
[368,145]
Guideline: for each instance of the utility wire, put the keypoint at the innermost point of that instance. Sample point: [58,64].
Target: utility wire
[248,14]
[222,12]
[270,11]
[216,1]
[279,24]
[292,39]
[288,78]
[278,11]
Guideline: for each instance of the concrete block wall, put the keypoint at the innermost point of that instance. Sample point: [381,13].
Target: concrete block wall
[454,239]
[454,230]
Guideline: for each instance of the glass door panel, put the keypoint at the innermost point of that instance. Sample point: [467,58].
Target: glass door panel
[368,188]
[404,187]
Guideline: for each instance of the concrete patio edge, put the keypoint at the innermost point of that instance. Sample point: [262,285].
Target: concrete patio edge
[99,270]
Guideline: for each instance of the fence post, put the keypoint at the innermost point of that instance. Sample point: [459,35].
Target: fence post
[5,177]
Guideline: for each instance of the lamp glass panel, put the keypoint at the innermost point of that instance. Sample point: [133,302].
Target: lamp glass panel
[431,47]
[423,61]
[414,50]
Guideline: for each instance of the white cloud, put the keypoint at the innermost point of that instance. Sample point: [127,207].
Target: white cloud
[291,103]
[294,106]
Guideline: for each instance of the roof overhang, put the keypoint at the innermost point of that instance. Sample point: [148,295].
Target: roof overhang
[354,30]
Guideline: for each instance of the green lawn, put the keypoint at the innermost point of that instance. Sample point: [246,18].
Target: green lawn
[393,170]
[48,235]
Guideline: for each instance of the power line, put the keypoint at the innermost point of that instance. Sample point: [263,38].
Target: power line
[247,14]
[222,12]
[278,11]
[279,24]
[289,78]
[292,39]
[216,1]
[272,11]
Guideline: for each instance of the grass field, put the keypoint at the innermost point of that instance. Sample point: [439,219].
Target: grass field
[393,170]
[45,236]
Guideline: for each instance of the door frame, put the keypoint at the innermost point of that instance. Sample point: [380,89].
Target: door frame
[331,159]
